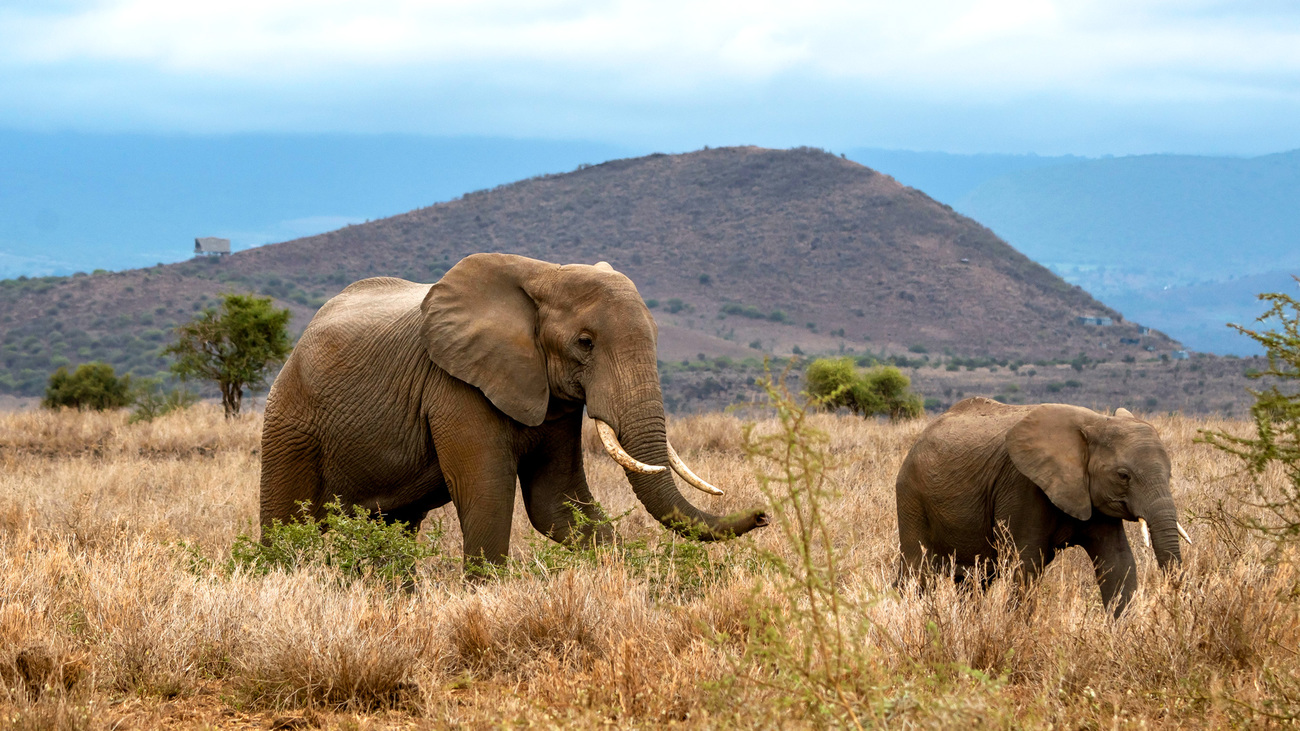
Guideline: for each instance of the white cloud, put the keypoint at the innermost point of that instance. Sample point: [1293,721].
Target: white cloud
[991,44]
[581,57]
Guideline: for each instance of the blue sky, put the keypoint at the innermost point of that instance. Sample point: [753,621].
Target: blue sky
[1044,76]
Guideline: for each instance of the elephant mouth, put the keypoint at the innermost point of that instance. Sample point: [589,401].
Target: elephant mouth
[609,440]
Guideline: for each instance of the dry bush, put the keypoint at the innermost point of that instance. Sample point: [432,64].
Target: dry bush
[116,606]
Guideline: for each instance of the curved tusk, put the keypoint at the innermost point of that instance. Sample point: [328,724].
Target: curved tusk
[1146,532]
[688,475]
[619,454]
[1182,532]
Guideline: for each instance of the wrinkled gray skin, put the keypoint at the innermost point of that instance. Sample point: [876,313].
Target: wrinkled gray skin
[401,397]
[1054,475]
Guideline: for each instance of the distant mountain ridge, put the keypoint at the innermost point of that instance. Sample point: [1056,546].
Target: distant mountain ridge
[1175,241]
[742,251]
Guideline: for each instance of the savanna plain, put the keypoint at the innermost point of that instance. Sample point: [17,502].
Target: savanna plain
[120,606]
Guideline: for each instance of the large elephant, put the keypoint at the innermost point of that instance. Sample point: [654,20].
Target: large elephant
[401,397]
[1052,475]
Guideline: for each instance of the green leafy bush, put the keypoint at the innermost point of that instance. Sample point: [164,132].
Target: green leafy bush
[350,542]
[152,400]
[750,311]
[1276,412]
[837,383]
[92,386]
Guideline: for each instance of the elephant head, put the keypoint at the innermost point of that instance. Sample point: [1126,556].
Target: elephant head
[533,335]
[1116,465]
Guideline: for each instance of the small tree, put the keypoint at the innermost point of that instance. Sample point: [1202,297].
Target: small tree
[92,386]
[234,346]
[1277,420]
[836,383]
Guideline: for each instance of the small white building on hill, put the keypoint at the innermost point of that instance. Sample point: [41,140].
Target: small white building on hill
[211,246]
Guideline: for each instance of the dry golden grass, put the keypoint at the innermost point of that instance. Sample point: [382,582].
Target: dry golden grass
[116,609]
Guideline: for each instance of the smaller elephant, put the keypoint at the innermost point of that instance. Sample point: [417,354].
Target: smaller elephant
[1051,476]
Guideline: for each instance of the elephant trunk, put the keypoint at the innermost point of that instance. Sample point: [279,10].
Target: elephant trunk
[1162,517]
[641,430]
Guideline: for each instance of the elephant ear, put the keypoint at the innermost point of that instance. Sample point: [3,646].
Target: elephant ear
[1049,447]
[480,325]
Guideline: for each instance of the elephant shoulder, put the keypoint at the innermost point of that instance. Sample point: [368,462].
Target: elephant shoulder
[378,283]
[972,424]
[978,405]
[376,297]
[367,311]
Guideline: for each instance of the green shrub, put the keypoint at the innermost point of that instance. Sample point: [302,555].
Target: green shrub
[350,542]
[92,386]
[750,311]
[153,401]
[1276,412]
[675,305]
[882,390]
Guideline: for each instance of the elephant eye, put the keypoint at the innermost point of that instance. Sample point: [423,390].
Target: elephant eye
[585,342]
[1124,475]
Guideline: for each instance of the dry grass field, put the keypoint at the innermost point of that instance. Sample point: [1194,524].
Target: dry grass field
[118,608]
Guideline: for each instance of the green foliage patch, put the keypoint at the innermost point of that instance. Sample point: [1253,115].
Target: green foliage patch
[234,346]
[883,390]
[152,400]
[1276,413]
[350,542]
[93,386]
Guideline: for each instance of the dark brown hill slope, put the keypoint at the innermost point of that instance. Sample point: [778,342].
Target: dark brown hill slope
[742,250]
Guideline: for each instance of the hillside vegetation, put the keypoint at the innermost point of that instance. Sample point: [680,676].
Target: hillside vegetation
[741,252]
[117,609]
[1182,243]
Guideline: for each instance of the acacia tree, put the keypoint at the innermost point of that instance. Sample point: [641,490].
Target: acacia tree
[1276,444]
[235,346]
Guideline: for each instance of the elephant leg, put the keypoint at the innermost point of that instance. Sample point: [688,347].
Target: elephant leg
[291,474]
[912,529]
[480,477]
[554,486]
[1112,559]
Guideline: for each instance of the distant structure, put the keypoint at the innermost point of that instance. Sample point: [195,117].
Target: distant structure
[1088,320]
[211,246]
[1180,355]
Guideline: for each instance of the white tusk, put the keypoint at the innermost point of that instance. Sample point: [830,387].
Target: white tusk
[619,454]
[1146,532]
[688,475]
[1183,533]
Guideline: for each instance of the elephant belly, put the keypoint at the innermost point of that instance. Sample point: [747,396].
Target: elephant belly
[961,531]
